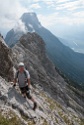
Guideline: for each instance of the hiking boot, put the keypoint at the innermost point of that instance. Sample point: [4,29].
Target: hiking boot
[24,96]
[35,106]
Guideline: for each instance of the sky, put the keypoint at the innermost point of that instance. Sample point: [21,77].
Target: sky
[59,16]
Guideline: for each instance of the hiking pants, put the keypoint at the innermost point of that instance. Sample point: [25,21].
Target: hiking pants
[26,90]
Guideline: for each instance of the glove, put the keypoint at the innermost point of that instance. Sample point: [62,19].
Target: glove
[14,85]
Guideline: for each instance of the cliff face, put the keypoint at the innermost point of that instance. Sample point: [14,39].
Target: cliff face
[6,65]
[31,50]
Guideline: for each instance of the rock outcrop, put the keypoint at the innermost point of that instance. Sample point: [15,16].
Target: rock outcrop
[6,65]
[18,111]
[31,50]
[58,103]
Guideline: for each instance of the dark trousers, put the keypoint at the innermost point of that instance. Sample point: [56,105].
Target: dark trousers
[26,90]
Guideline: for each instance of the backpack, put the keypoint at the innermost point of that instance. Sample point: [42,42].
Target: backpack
[26,80]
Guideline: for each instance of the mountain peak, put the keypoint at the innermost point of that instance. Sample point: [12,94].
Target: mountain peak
[29,14]
[30,20]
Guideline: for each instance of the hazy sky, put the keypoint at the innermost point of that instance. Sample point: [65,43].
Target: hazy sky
[56,15]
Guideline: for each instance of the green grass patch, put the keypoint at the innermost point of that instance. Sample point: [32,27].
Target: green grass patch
[53,104]
[82,122]
[12,121]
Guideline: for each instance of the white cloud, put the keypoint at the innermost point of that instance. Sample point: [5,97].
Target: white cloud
[62,1]
[11,8]
[71,5]
[20,26]
[10,12]
[49,2]
[55,19]
[36,0]
[35,6]
[49,20]
[78,14]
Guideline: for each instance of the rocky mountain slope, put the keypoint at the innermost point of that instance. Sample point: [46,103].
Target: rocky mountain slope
[16,110]
[58,103]
[66,60]
[31,50]
[6,65]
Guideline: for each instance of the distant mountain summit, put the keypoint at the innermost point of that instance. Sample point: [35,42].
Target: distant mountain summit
[31,21]
[31,24]
[69,63]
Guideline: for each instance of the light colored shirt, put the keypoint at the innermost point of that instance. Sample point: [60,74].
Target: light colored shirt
[22,78]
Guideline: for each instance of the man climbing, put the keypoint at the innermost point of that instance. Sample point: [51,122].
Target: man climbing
[22,76]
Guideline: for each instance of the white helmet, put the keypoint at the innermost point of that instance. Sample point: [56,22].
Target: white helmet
[21,64]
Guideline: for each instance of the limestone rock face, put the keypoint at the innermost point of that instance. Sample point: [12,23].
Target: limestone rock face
[6,65]
[58,103]
[31,50]
[15,108]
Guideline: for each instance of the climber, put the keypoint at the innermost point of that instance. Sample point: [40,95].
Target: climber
[22,76]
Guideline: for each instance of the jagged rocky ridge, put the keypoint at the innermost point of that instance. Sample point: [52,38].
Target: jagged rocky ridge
[31,50]
[57,103]
[65,59]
